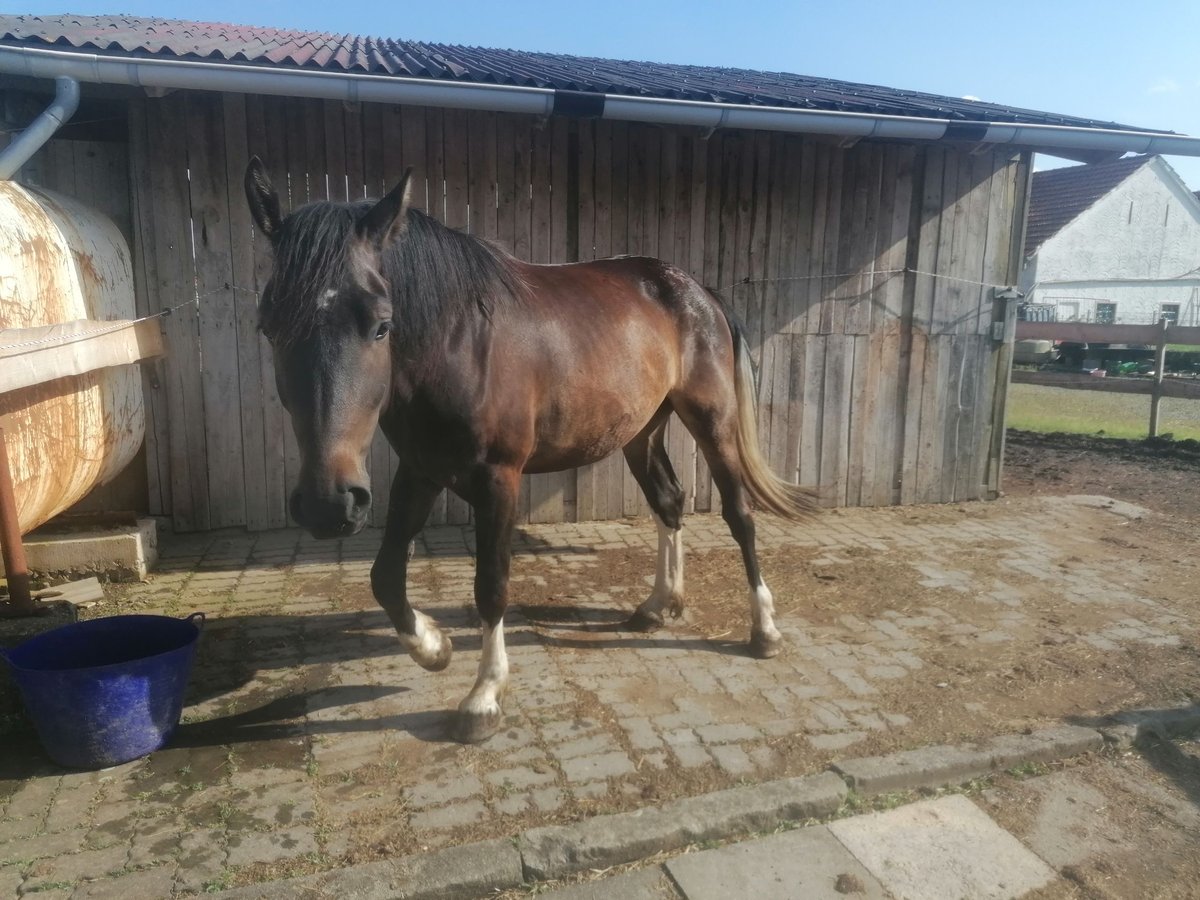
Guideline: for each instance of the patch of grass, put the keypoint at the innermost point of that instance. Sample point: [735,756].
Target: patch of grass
[1033,407]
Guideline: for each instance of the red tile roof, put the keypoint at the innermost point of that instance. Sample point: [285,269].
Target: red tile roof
[125,36]
[1059,195]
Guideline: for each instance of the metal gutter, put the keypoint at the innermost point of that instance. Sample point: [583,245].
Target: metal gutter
[167,74]
[41,129]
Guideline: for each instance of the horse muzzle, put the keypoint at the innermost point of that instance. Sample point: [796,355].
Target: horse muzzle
[331,515]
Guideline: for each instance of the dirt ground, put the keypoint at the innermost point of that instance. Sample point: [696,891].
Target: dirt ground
[985,628]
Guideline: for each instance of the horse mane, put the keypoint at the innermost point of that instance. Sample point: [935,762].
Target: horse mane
[434,273]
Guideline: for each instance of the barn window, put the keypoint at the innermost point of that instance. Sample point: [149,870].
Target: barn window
[1106,313]
[1169,311]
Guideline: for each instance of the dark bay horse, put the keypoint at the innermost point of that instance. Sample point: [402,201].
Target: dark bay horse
[479,367]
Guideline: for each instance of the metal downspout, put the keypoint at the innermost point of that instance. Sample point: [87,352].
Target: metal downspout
[41,129]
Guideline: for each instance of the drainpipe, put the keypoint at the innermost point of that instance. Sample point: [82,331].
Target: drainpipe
[168,74]
[41,129]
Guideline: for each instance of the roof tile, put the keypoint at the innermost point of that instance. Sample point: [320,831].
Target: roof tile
[128,36]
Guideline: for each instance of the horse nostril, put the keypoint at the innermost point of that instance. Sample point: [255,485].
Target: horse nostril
[361,496]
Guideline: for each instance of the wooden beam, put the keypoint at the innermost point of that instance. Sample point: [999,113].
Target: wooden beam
[37,355]
[1171,387]
[1083,332]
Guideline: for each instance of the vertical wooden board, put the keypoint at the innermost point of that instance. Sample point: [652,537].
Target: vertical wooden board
[266,122]
[934,402]
[977,297]
[799,212]
[333,113]
[932,167]
[586,212]
[1001,202]
[914,404]
[145,279]
[959,391]
[798,413]
[835,414]
[245,314]
[435,205]
[894,232]
[947,291]
[970,456]
[889,422]
[811,434]
[698,189]
[176,284]
[814,286]
[414,153]
[355,172]
[981,357]
[860,416]
[217,318]
[776,346]
[858,254]
[833,312]
[666,216]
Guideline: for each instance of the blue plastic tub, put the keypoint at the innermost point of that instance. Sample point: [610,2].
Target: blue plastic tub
[109,690]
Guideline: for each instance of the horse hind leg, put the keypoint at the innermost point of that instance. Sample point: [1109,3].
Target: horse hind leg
[651,466]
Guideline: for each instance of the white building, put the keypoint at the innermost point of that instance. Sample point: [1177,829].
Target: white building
[1113,242]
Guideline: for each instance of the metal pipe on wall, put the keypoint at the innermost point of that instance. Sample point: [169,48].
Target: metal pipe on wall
[41,129]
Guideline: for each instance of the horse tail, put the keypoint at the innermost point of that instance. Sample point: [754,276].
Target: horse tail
[766,489]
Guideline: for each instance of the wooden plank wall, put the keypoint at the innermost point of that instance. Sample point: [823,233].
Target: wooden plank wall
[875,384]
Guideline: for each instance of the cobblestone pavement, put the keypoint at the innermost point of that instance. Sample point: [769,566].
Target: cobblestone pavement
[309,741]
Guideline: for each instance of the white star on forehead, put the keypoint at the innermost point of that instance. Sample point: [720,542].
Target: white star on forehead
[325,299]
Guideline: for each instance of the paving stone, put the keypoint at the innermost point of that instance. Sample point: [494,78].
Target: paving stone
[585,746]
[249,847]
[148,883]
[732,759]
[943,849]
[641,884]
[77,866]
[808,863]
[601,765]
[728,733]
[450,816]
[43,845]
[441,792]
[518,779]
[554,851]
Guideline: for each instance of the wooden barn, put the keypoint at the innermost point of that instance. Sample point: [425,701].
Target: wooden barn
[866,235]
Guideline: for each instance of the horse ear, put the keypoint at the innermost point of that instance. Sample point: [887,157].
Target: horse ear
[386,219]
[264,202]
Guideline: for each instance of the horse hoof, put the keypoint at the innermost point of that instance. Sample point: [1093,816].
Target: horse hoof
[644,622]
[764,647]
[476,727]
[438,659]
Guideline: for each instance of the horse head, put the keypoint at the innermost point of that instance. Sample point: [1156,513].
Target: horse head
[327,312]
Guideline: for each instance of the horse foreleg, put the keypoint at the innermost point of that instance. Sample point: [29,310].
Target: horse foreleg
[411,500]
[495,517]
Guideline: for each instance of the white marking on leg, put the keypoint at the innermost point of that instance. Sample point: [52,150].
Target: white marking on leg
[426,642]
[667,593]
[484,698]
[762,612]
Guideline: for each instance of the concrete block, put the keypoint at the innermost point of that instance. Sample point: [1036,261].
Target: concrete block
[809,863]
[943,849]
[943,765]
[559,850]
[121,552]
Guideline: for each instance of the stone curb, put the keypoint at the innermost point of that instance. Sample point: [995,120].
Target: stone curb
[938,766]
[555,851]
[469,870]
[559,850]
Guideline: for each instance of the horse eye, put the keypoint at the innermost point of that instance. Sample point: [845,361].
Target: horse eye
[383,330]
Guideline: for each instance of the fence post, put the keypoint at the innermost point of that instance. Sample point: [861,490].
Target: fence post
[1160,363]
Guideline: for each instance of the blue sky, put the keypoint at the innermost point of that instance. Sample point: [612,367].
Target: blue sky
[1135,63]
